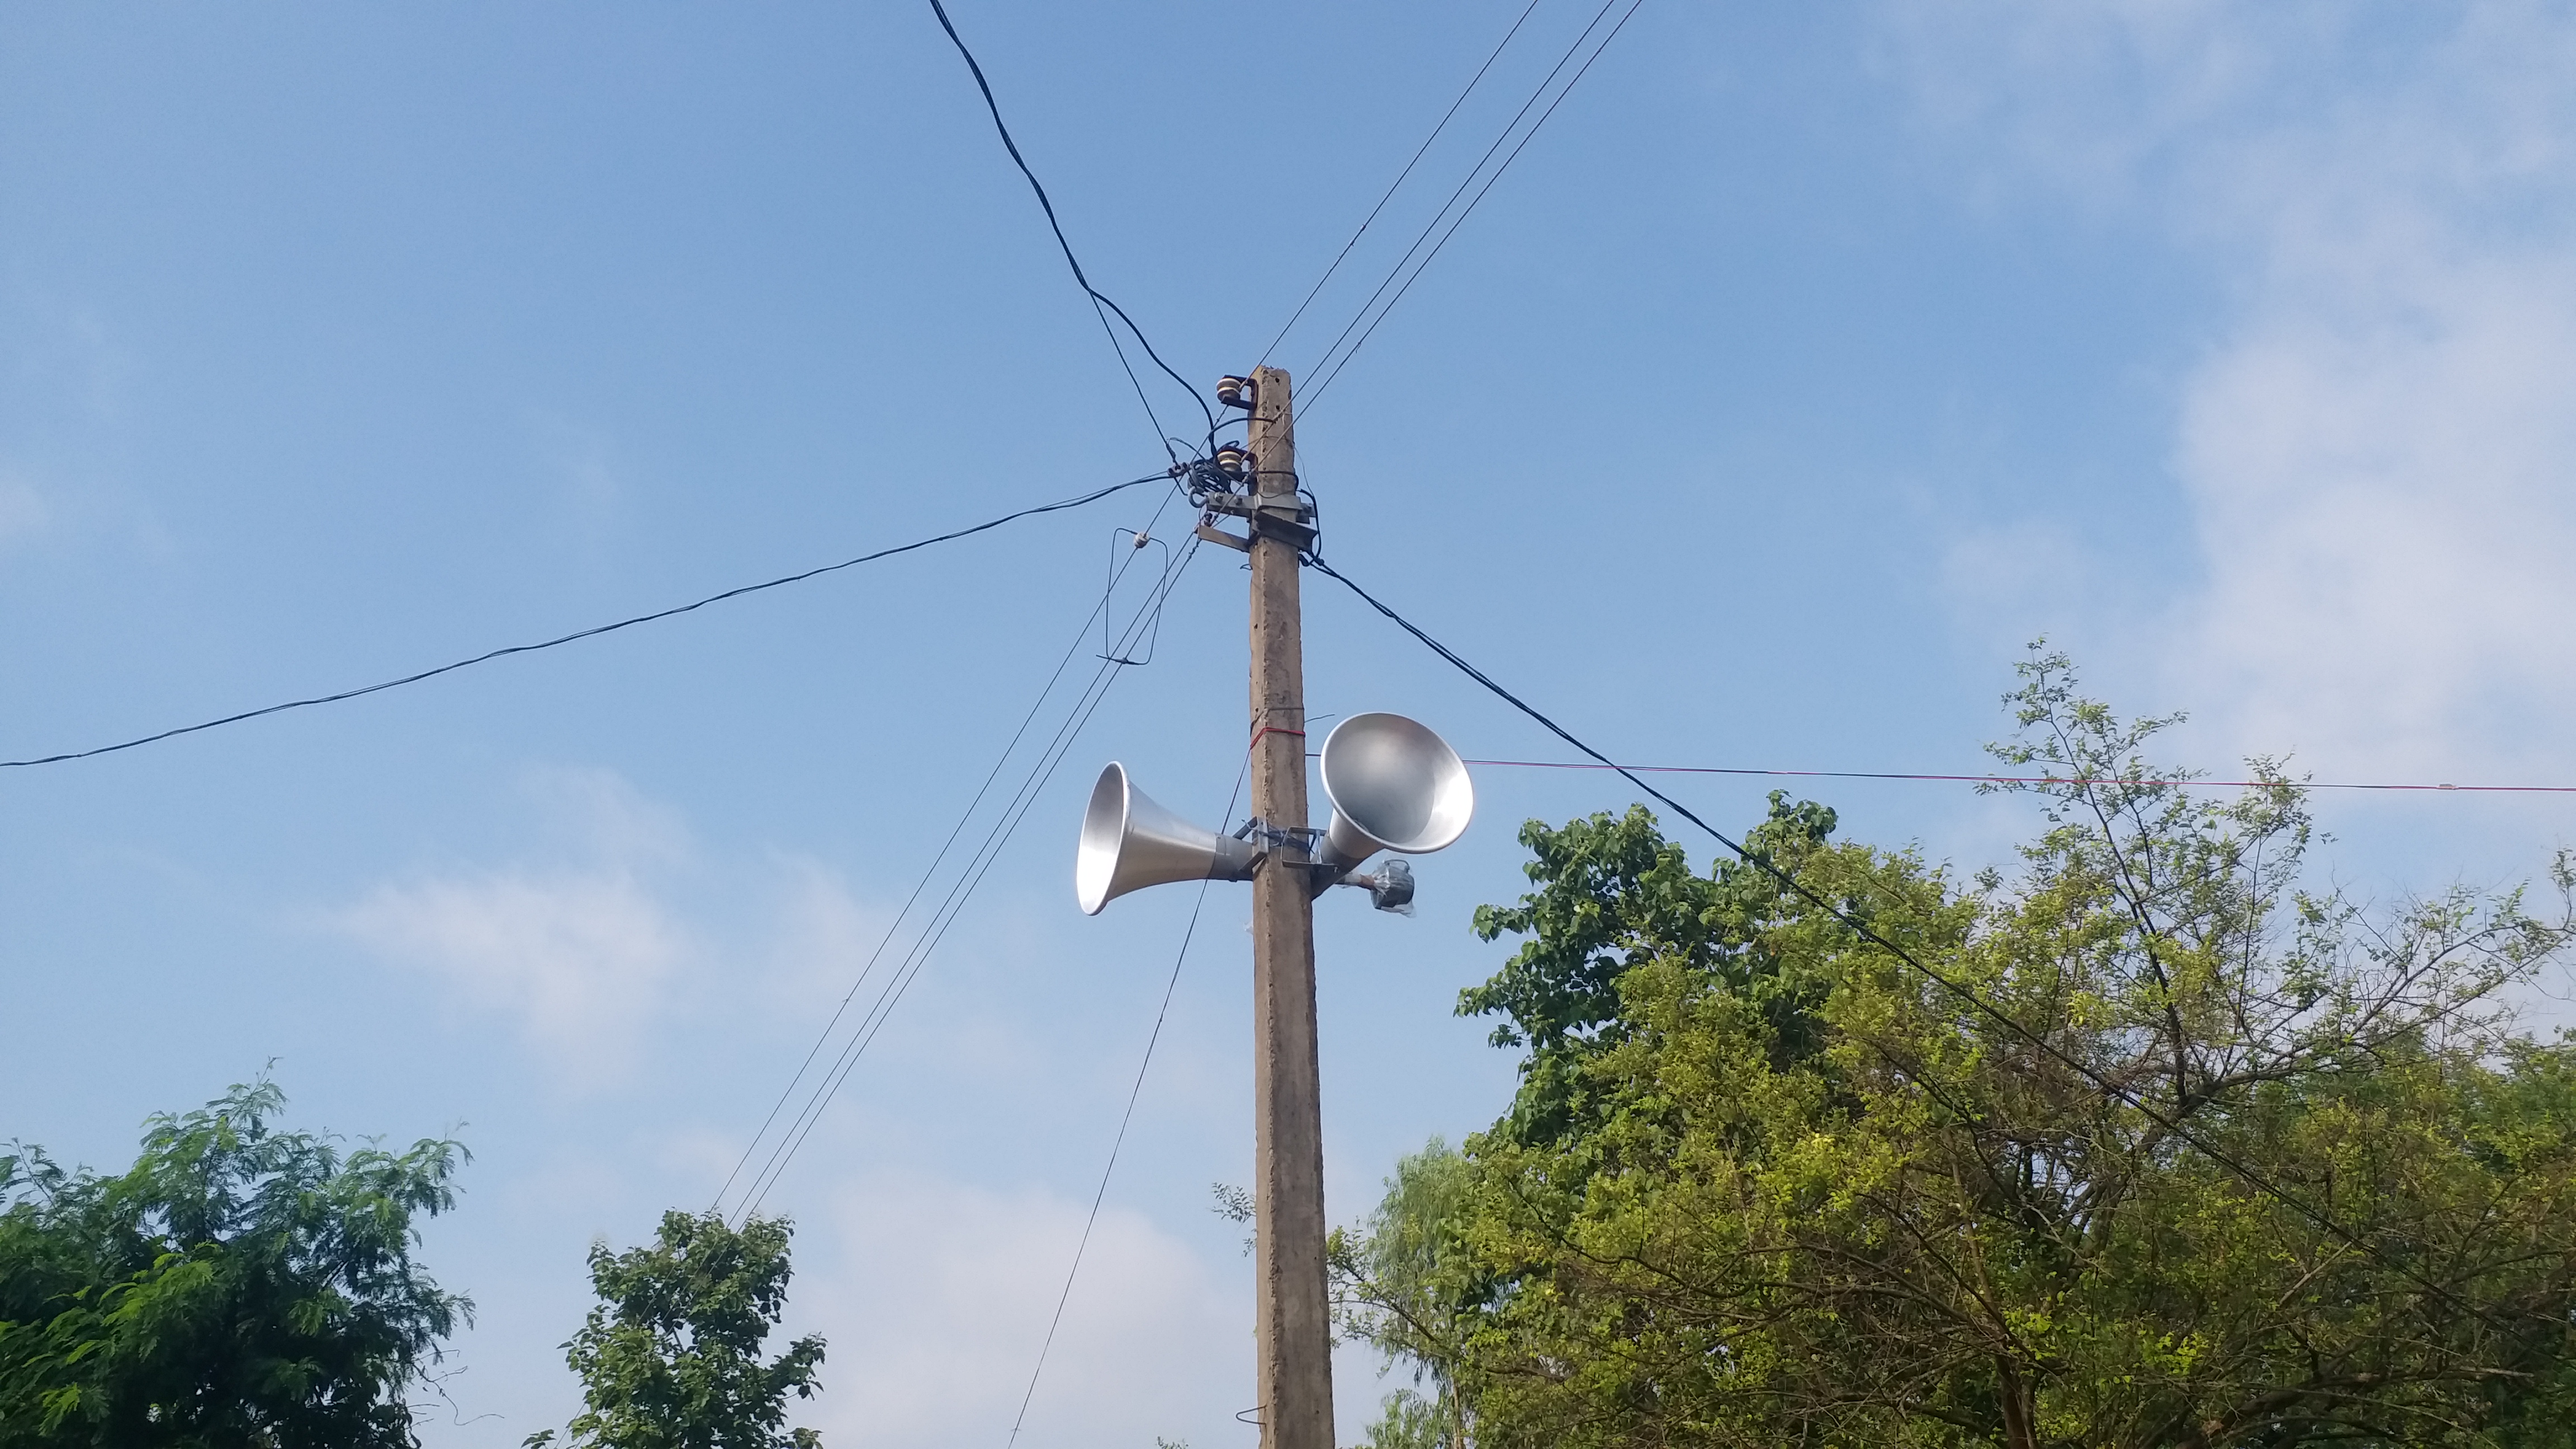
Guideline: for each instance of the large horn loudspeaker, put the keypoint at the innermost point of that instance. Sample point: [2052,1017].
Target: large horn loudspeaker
[1129,843]
[1394,785]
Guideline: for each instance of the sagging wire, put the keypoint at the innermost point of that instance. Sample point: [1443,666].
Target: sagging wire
[1965,994]
[593,632]
[1099,299]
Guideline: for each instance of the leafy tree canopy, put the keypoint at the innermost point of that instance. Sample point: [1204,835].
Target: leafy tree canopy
[1765,1183]
[237,1286]
[671,1356]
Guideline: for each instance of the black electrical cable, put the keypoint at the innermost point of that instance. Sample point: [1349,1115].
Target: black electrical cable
[1134,1090]
[931,871]
[1434,254]
[1472,173]
[1419,152]
[484,658]
[1862,929]
[1099,298]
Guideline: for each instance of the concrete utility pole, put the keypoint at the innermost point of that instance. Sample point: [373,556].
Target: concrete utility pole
[1294,1329]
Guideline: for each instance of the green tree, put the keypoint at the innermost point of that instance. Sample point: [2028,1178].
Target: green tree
[1767,1184]
[236,1286]
[671,1356]
[1613,894]
[1410,1285]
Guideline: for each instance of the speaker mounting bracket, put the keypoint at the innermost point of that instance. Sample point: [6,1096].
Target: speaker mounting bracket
[1296,845]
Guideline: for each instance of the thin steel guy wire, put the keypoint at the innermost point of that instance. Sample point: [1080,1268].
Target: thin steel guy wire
[914,957]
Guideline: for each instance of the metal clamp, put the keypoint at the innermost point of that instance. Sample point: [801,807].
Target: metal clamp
[1294,843]
[1284,516]
[1208,530]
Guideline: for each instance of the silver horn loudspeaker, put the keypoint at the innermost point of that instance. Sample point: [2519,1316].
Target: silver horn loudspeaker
[1394,786]
[1129,843]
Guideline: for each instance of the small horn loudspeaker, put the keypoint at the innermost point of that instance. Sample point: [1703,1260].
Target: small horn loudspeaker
[1129,843]
[1395,785]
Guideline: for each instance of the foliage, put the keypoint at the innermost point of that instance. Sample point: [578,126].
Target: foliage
[1235,1205]
[670,1357]
[236,1286]
[1613,895]
[1765,1183]
[1406,1420]
[1412,1286]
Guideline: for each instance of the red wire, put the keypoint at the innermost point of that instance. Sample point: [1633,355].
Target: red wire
[2020,779]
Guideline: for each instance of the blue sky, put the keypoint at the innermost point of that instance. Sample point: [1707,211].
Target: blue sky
[1809,362]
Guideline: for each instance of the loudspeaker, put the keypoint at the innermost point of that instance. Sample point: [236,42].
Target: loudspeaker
[1394,785]
[1129,843]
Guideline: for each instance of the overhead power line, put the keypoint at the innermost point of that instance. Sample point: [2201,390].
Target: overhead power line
[844,1057]
[1315,394]
[1099,299]
[961,890]
[595,631]
[930,872]
[2024,779]
[1389,195]
[945,916]
[1959,990]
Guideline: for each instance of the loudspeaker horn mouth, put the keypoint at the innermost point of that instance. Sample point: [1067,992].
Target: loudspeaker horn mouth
[1104,823]
[1394,785]
[1129,843]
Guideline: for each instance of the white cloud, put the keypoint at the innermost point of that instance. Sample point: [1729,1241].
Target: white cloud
[2379,447]
[579,958]
[2021,570]
[825,937]
[22,509]
[582,955]
[2388,508]
[614,923]
[599,811]
[937,1299]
